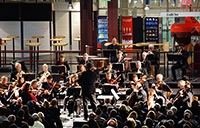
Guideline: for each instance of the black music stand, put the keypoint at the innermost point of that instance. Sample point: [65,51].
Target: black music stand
[58,69]
[29,76]
[118,66]
[109,53]
[56,77]
[106,89]
[133,66]
[130,76]
[174,57]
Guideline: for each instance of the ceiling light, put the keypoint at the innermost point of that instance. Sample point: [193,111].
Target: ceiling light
[146,8]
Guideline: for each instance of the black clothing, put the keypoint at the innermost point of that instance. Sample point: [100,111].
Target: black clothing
[142,95]
[181,64]
[147,65]
[83,62]
[13,75]
[53,116]
[87,81]
[65,63]
[111,46]
[113,73]
[142,70]
[25,97]
[154,60]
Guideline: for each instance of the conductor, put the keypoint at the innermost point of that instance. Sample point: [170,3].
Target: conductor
[87,82]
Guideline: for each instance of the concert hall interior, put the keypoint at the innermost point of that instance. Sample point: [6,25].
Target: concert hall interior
[100,63]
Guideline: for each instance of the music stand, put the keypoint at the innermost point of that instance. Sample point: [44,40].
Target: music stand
[118,66]
[173,57]
[133,66]
[130,76]
[109,53]
[29,76]
[58,69]
[151,57]
[56,77]
[106,89]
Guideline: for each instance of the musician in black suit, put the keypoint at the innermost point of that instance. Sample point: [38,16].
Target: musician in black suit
[85,60]
[139,69]
[112,71]
[62,61]
[146,63]
[87,81]
[114,44]
[154,59]
[181,63]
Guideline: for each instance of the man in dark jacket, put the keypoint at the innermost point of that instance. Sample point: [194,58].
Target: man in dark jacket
[87,82]
[114,44]
[181,63]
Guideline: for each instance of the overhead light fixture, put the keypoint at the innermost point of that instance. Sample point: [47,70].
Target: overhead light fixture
[146,8]
[70,6]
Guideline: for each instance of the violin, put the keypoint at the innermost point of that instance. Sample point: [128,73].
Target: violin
[112,81]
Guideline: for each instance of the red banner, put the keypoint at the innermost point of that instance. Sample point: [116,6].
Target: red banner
[127,30]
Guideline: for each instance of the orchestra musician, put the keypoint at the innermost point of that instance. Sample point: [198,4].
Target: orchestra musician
[85,60]
[146,63]
[112,71]
[183,64]
[46,87]
[62,61]
[44,74]
[145,83]
[108,80]
[81,69]
[18,73]
[183,96]
[26,95]
[87,82]
[139,69]
[159,91]
[4,81]
[4,85]
[155,58]
[114,44]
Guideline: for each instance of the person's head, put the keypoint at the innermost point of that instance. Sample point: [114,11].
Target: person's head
[119,54]
[92,116]
[12,118]
[4,79]
[62,57]
[133,115]
[45,104]
[112,122]
[98,112]
[85,56]
[35,117]
[34,84]
[44,67]
[108,75]
[151,47]
[5,124]
[54,102]
[159,77]
[109,66]
[131,123]
[89,66]
[81,68]
[138,65]
[26,87]
[181,84]
[107,101]
[135,77]
[49,79]
[114,41]
[144,55]
[18,66]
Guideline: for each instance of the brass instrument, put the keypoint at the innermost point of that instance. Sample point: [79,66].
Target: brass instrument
[19,74]
[44,77]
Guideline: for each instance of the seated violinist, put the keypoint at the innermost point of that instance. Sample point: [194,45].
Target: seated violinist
[34,87]
[108,80]
[18,73]
[26,95]
[47,86]
[112,71]
[44,74]
[81,69]
[4,83]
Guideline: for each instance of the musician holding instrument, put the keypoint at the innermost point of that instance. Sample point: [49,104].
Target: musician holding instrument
[108,80]
[139,69]
[62,61]
[114,44]
[4,81]
[46,87]
[161,89]
[26,95]
[182,64]
[44,74]
[154,59]
[18,73]
[146,63]
[112,71]
[85,60]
